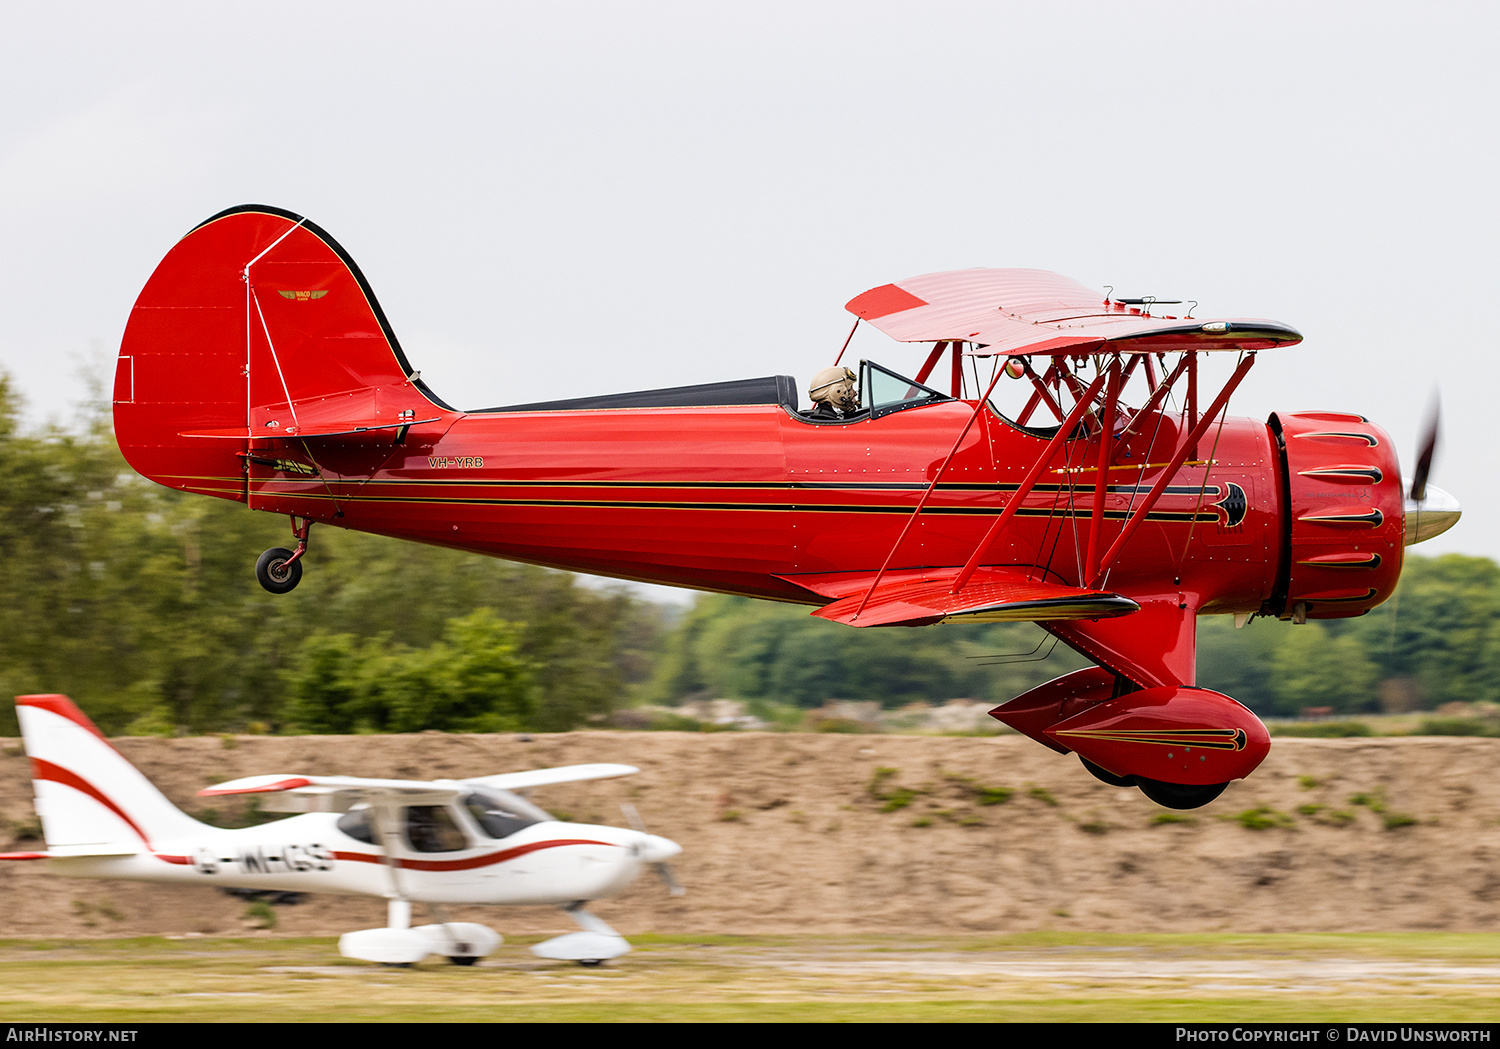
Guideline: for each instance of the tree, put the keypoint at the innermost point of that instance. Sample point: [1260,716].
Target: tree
[141,603]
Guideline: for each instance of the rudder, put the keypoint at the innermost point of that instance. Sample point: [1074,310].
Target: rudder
[256,327]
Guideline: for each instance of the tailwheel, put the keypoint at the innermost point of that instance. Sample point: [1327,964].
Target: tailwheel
[277,571]
[1179,795]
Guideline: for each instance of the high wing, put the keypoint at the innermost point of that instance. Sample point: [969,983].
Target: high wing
[338,793]
[547,777]
[1014,311]
[914,597]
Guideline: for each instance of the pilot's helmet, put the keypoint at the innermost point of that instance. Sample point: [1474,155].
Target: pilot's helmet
[834,386]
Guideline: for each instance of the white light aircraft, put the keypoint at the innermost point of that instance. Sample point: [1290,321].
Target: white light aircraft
[439,842]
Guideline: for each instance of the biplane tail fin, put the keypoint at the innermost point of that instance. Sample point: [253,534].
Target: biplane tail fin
[256,327]
[91,800]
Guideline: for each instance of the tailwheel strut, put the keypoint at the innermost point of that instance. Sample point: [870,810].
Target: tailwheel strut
[279,570]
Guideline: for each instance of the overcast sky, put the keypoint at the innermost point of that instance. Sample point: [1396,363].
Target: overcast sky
[557,199]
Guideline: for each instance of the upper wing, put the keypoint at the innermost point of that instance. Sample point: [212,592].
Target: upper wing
[913,597]
[1034,311]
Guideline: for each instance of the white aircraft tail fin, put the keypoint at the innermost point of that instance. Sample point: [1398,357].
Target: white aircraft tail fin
[91,800]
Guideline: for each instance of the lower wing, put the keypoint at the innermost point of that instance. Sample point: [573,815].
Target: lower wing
[915,597]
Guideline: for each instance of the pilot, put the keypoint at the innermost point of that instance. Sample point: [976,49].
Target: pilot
[833,394]
[430,828]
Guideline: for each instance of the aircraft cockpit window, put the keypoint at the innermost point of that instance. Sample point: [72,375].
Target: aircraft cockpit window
[432,828]
[356,823]
[887,392]
[499,815]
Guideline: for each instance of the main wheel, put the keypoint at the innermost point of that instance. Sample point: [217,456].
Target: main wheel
[1107,776]
[277,572]
[590,962]
[1179,795]
[463,959]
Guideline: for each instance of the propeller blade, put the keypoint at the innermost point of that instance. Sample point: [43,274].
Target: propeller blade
[664,872]
[674,887]
[1428,449]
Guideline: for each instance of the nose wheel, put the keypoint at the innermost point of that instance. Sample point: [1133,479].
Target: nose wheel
[279,570]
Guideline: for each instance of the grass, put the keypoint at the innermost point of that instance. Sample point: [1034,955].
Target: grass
[1262,817]
[1037,976]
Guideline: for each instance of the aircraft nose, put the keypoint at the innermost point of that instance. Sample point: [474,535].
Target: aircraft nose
[1431,515]
[656,849]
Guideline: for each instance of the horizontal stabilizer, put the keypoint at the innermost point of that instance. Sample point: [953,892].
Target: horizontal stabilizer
[914,597]
[322,429]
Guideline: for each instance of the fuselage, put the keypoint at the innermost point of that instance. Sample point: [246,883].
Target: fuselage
[744,499]
[551,862]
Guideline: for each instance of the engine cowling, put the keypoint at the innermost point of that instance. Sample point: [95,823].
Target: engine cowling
[1343,516]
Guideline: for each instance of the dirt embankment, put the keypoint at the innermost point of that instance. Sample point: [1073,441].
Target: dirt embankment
[801,833]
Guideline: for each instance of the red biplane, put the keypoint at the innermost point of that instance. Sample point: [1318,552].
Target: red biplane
[1115,507]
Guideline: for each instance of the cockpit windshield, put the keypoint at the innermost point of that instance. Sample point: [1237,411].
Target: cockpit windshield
[500,813]
[886,392]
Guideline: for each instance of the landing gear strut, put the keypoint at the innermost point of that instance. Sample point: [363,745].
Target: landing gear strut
[279,569]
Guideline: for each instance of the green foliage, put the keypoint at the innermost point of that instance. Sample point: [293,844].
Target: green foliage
[141,603]
[666,721]
[1323,730]
[981,794]
[1459,727]
[892,798]
[1438,638]
[1042,794]
[261,915]
[1262,817]
[472,680]
[1375,801]
[734,646]
[1162,819]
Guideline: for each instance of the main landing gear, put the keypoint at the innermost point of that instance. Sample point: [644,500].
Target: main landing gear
[279,569]
[1167,795]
